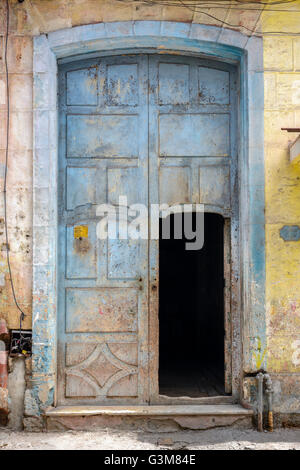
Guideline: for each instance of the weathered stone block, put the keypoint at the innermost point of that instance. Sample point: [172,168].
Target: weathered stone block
[274,120]
[147,12]
[41,87]
[116,11]
[177,13]
[42,207]
[119,29]
[16,387]
[20,171]
[41,54]
[204,32]
[228,36]
[41,119]
[1,55]
[54,15]
[41,238]
[2,92]
[3,121]
[175,29]
[278,53]
[286,397]
[286,22]
[247,18]
[20,54]
[85,12]
[255,54]
[214,16]
[146,28]
[149,424]
[20,88]
[20,217]
[21,130]
[256,94]
[296,44]
[41,273]
[33,424]
[41,168]
[270,99]
[288,90]
[31,407]
[282,188]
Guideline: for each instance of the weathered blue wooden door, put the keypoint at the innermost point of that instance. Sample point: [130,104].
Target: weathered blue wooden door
[103,298]
[155,129]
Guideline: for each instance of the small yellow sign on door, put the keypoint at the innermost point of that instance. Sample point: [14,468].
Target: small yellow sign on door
[81,231]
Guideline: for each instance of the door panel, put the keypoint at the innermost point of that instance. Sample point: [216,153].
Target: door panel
[193,135]
[102,284]
[85,140]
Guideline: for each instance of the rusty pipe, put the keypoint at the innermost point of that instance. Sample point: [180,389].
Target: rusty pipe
[269,392]
[260,405]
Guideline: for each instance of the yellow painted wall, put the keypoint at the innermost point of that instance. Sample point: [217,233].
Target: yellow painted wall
[282,109]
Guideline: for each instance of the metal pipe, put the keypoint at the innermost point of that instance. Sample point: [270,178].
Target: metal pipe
[260,406]
[269,392]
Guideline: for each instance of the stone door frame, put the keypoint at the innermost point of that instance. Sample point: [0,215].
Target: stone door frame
[249,325]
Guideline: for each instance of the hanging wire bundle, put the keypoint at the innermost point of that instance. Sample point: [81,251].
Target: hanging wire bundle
[203,7]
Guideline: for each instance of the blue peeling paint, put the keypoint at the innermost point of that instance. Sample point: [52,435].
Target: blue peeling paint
[290,233]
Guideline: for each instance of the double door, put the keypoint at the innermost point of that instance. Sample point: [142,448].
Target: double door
[142,129]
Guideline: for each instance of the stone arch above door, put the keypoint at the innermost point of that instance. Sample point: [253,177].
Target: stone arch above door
[144,36]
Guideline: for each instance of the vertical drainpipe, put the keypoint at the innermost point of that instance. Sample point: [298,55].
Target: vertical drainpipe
[269,393]
[260,379]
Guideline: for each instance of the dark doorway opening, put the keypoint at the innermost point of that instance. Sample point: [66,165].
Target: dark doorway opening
[191,313]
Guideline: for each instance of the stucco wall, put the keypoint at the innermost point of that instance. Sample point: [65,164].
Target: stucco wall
[281,104]
[282,179]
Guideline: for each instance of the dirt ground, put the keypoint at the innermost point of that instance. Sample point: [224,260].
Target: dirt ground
[227,439]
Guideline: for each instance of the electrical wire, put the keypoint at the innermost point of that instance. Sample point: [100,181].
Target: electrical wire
[218,6]
[222,21]
[225,3]
[22,314]
[194,9]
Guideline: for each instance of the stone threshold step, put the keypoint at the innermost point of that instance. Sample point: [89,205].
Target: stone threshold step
[151,410]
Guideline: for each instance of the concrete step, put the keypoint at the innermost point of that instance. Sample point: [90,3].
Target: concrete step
[156,418]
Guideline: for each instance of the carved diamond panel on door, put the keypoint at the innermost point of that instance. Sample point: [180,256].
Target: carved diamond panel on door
[102,283]
[96,370]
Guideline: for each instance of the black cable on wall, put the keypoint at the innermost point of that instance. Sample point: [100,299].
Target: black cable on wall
[22,314]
